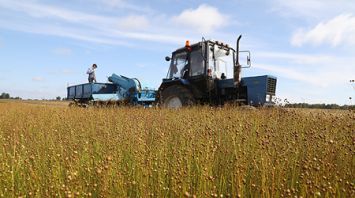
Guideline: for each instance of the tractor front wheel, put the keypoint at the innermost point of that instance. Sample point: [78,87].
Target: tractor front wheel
[176,96]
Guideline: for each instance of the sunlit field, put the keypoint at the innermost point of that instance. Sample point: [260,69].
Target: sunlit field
[56,151]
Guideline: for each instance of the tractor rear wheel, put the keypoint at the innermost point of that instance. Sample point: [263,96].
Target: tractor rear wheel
[176,96]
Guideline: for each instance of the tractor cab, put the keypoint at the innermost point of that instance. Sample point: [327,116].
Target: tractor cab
[186,62]
[211,59]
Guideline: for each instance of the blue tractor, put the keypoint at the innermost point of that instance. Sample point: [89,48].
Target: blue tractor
[207,72]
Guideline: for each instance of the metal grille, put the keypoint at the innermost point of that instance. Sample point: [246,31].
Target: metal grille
[271,85]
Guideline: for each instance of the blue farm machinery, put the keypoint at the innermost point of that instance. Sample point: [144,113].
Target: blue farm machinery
[119,91]
[207,72]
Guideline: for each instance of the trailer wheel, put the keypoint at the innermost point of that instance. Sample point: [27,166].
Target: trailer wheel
[176,96]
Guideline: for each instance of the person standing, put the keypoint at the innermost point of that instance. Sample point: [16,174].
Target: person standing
[91,72]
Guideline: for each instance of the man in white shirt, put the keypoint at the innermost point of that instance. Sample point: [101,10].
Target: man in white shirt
[91,72]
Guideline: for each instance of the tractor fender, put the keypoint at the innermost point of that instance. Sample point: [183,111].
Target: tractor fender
[168,83]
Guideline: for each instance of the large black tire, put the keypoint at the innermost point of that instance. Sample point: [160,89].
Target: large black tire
[176,96]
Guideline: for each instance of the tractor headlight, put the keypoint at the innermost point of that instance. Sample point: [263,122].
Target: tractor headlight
[268,98]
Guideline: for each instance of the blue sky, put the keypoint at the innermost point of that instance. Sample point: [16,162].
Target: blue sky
[46,44]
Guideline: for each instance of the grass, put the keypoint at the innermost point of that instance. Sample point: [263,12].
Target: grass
[56,151]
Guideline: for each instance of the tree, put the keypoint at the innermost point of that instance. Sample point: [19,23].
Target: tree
[5,96]
[58,98]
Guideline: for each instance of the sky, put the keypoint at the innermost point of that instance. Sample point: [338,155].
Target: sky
[46,45]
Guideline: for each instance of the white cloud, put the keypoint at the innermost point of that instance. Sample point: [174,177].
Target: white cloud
[204,19]
[37,10]
[123,4]
[37,18]
[339,30]
[299,7]
[38,79]
[289,73]
[315,59]
[312,9]
[322,71]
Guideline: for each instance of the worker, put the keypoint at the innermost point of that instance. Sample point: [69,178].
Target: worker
[91,72]
[223,76]
[184,73]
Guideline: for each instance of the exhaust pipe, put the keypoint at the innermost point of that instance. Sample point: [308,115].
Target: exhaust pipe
[237,67]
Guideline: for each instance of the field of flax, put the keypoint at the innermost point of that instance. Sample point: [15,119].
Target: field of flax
[56,151]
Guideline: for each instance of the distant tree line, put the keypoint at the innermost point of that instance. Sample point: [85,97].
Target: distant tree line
[7,96]
[60,98]
[319,106]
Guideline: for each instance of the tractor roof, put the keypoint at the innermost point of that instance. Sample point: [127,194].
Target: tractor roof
[205,41]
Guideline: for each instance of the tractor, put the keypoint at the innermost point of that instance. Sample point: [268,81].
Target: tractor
[209,72]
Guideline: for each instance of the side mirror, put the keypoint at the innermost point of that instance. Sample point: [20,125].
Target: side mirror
[167,58]
[245,60]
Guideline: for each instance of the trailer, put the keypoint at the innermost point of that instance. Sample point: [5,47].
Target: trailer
[119,91]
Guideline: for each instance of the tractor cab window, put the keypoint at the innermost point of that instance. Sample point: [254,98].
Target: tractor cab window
[221,62]
[178,66]
[197,63]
